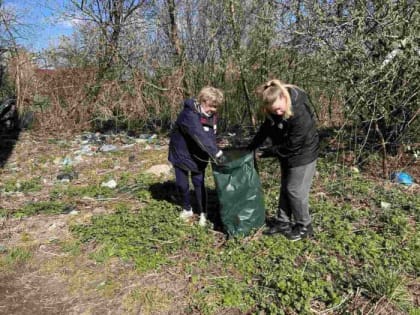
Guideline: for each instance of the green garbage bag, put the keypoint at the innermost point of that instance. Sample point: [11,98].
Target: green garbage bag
[240,194]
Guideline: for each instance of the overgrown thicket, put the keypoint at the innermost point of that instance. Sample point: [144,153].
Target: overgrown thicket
[133,62]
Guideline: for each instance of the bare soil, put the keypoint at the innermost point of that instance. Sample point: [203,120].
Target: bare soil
[54,281]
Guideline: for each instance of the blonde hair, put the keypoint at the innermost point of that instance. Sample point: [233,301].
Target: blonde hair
[209,93]
[270,91]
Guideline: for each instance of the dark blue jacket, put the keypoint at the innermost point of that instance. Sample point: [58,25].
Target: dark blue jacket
[193,138]
[295,140]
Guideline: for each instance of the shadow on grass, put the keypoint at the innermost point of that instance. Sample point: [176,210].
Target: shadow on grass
[168,191]
[8,140]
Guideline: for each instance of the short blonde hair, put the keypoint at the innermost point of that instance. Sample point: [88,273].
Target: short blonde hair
[270,91]
[209,93]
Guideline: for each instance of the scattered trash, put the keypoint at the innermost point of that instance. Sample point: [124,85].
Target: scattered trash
[67,161]
[110,184]
[3,249]
[73,212]
[127,146]
[402,178]
[68,209]
[150,139]
[67,177]
[108,148]
[93,138]
[355,170]
[87,150]
[385,205]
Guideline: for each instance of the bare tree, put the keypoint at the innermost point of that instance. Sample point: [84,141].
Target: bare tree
[8,29]
[109,18]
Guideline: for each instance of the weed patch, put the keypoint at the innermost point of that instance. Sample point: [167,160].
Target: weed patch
[42,207]
[71,191]
[148,300]
[146,237]
[25,186]
[13,257]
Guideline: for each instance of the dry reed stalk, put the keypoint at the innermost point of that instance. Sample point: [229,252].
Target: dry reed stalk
[21,71]
[174,92]
[330,112]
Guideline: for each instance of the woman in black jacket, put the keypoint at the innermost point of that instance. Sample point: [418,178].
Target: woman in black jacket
[291,126]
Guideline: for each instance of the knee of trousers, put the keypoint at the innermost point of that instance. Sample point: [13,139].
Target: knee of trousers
[197,182]
[183,188]
[295,192]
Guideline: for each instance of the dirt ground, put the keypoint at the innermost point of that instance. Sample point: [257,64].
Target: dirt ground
[54,281]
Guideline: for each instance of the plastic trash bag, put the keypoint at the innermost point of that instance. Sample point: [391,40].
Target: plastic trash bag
[240,194]
[402,178]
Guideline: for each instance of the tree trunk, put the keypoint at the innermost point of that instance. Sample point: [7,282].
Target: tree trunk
[384,154]
[176,43]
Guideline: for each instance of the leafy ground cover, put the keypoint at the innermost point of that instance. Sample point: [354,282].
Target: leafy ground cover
[78,247]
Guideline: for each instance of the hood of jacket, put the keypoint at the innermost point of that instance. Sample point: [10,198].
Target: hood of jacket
[192,104]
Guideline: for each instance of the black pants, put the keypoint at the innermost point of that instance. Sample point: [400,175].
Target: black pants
[182,183]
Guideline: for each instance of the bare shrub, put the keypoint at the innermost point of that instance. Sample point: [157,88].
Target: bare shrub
[60,98]
[21,71]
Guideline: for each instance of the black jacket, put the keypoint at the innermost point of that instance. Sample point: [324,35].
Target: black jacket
[295,140]
[193,138]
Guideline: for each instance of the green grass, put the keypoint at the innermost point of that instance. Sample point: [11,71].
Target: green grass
[358,247]
[380,283]
[72,191]
[146,237]
[14,257]
[42,207]
[25,186]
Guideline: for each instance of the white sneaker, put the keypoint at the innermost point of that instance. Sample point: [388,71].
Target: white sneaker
[186,214]
[203,219]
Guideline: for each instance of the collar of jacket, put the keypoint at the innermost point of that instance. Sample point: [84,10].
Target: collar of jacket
[275,119]
[197,106]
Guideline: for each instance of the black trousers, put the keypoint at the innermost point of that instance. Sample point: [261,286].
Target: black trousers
[182,183]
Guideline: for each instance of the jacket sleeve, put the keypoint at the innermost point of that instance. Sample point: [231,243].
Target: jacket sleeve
[189,124]
[259,138]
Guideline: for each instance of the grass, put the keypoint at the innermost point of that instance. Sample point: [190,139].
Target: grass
[13,257]
[269,273]
[25,186]
[360,247]
[379,283]
[42,207]
[148,300]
